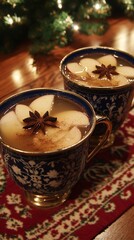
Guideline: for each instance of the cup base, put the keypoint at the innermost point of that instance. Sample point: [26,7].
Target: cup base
[46,201]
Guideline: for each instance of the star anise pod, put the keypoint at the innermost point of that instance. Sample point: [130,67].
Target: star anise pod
[36,122]
[105,71]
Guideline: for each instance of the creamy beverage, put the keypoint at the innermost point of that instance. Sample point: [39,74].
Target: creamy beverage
[99,70]
[44,124]
[45,142]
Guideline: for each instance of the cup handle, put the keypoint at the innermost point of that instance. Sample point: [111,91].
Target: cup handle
[102,141]
[132,106]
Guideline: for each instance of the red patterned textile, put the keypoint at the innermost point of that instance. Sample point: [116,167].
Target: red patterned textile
[104,192]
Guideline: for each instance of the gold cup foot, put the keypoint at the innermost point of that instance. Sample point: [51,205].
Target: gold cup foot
[46,201]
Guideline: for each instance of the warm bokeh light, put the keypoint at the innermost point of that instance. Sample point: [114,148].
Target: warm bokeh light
[31,67]
[10,20]
[17,78]
[97,6]
[126,37]
[59,3]
[75,27]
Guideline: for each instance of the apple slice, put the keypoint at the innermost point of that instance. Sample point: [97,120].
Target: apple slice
[89,64]
[55,134]
[119,80]
[73,118]
[73,136]
[62,139]
[49,140]
[10,126]
[42,104]
[22,111]
[126,71]
[107,60]
[76,68]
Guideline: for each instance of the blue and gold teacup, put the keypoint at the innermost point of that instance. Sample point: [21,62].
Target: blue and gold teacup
[48,177]
[111,101]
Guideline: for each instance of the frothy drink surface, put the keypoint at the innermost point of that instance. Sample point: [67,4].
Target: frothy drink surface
[44,124]
[100,71]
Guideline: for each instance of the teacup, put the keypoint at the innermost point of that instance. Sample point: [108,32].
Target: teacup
[113,101]
[47,177]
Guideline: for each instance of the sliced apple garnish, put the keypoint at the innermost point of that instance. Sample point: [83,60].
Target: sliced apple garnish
[22,111]
[89,64]
[126,71]
[62,139]
[55,134]
[72,136]
[10,126]
[42,104]
[49,140]
[119,80]
[107,60]
[76,68]
[73,118]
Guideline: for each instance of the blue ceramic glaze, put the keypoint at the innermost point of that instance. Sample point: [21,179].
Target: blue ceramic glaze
[51,172]
[113,102]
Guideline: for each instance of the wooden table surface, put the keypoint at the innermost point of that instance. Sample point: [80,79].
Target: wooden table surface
[17,73]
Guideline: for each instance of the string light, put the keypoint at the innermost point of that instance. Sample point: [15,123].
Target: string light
[97,6]
[68,20]
[92,18]
[13,2]
[10,20]
[76,27]
[101,6]
[59,3]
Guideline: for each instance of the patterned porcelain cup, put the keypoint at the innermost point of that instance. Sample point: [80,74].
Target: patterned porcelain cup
[111,101]
[48,177]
